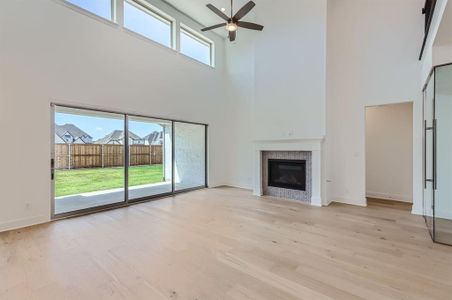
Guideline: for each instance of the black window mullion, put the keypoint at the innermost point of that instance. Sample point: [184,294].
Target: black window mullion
[206,182]
[173,155]
[126,158]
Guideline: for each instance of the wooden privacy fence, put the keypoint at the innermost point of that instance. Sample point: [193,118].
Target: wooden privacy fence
[78,156]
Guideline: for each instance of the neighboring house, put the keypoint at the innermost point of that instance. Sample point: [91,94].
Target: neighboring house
[59,140]
[154,138]
[71,134]
[117,138]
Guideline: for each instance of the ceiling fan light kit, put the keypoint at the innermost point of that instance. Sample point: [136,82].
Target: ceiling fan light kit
[233,22]
[231,27]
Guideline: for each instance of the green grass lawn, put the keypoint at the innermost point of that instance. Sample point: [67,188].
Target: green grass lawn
[73,182]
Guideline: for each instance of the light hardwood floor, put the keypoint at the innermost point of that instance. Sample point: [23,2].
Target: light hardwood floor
[227,244]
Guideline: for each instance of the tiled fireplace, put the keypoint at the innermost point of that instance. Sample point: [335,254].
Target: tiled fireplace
[287,174]
[289,169]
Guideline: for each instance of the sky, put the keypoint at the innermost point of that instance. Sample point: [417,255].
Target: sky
[100,127]
[140,22]
[99,7]
[145,24]
[194,49]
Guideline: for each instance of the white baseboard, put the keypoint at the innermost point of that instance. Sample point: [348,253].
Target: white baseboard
[417,211]
[389,196]
[328,202]
[25,222]
[316,201]
[350,201]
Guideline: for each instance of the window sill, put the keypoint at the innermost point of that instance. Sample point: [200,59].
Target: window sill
[195,60]
[148,40]
[161,46]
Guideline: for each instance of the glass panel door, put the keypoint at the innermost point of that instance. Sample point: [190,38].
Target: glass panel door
[89,159]
[428,202]
[443,159]
[106,159]
[150,158]
[189,156]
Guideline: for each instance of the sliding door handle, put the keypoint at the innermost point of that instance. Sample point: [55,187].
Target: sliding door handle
[435,125]
[52,169]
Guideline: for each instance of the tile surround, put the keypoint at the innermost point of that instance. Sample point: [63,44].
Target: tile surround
[304,196]
[312,145]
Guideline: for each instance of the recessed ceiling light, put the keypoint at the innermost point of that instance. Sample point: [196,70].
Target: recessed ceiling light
[223,9]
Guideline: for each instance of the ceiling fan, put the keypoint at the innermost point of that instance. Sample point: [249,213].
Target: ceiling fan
[233,22]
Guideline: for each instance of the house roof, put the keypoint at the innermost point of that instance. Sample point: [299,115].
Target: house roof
[154,137]
[117,136]
[60,130]
[77,133]
[59,140]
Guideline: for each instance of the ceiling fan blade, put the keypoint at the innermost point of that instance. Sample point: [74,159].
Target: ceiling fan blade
[232,35]
[218,12]
[214,27]
[249,25]
[244,10]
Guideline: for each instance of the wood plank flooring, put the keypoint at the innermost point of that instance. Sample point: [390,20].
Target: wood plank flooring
[390,204]
[443,228]
[227,244]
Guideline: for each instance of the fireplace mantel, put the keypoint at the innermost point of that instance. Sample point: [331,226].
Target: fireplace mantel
[314,145]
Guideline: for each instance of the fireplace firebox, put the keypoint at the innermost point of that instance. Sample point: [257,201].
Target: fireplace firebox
[288,174]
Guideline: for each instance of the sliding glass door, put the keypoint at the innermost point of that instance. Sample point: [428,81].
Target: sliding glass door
[89,159]
[438,154]
[443,155]
[428,155]
[108,159]
[150,158]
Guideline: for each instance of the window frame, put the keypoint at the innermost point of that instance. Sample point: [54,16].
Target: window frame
[114,13]
[127,200]
[184,29]
[156,13]
[176,25]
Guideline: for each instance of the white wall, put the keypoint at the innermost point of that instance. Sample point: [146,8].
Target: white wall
[277,79]
[442,42]
[372,51]
[49,52]
[442,54]
[290,70]
[389,152]
[355,54]
[240,63]
[372,59]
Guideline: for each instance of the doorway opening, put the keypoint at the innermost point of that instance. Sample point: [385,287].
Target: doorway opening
[389,155]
